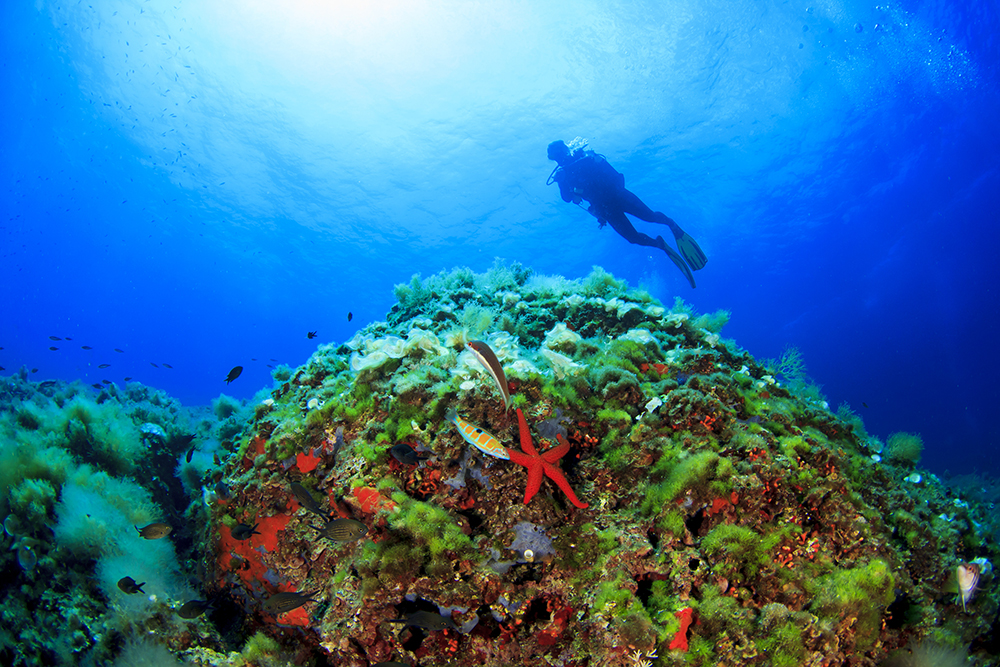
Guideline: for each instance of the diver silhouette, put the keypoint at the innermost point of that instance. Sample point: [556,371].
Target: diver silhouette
[584,175]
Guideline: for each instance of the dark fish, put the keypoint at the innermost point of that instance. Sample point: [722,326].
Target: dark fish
[306,499]
[311,334]
[153,365]
[350,316]
[343,530]
[34,370]
[233,374]
[427,620]
[222,490]
[864,404]
[86,347]
[168,366]
[105,381]
[244,532]
[194,608]
[279,603]
[128,585]
[190,455]
[47,383]
[117,350]
[127,379]
[67,338]
[2,368]
[182,440]
[97,385]
[53,348]
[406,454]
[253,359]
[104,365]
[54,338]
[272,359]
[154,531]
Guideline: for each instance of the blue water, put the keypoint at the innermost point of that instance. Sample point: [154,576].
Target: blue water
[202,184]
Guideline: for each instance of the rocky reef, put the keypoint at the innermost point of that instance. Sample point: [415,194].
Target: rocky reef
[667,500]
[730,519]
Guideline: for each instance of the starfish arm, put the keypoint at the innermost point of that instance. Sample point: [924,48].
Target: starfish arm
[526,443]
[556,453]
[520,458]
[535,475]
[556,475]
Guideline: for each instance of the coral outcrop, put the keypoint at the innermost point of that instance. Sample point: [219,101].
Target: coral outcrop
[728,520]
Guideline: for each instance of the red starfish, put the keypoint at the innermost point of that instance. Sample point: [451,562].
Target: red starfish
[542,464]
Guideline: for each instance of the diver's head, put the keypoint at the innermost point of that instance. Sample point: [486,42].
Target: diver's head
[559,151]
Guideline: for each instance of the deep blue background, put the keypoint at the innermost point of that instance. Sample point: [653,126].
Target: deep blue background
[201,185]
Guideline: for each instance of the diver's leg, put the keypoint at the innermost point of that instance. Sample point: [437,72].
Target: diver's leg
[623,226]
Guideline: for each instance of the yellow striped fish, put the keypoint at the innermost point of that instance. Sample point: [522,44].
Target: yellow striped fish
[478,438]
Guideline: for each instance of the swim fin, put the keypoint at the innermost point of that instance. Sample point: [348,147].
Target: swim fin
[690,249]
[677,259]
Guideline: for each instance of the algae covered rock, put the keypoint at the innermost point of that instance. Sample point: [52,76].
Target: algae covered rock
[727,520]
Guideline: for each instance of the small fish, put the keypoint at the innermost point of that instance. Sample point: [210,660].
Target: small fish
[194,608]
[279,603]
[478,438]
[244,532]
[967,575]
[427,620]
[128,585]
[864,404]
[53,348]
[105,381]
[86,347]
[154,531]
[484,354]
[153,365]
[343,530]
[190,455]
[233,374]
[168,366]
[312,334]
[97,385]
[275,360]
[34,370]
[350,316]
[118,350]
[406,454]
[128,379]
[104,365]
[54,338]
[48,383]
[222,490]
[306,499]
[67,338]
[2,368]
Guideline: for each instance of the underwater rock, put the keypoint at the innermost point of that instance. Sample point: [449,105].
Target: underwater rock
[735,523]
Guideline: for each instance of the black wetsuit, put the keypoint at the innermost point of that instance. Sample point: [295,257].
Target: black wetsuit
[589,176]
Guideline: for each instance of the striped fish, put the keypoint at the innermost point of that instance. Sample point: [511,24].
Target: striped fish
[478,438]
[343,530]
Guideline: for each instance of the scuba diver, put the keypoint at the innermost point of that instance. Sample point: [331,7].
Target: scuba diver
[583,174]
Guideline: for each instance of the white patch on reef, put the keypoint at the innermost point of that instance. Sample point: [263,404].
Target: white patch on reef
[562,365]
[562,338]
[641,336]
